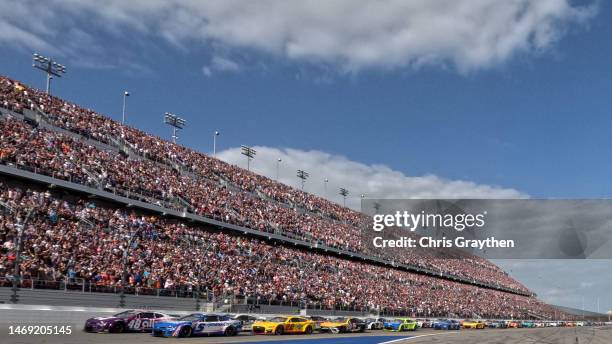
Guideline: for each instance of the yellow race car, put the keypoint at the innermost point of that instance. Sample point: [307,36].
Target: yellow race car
[473,324]
[343,325]
[282,325]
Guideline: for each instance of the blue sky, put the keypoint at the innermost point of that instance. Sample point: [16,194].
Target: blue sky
[529,112]
[537,122]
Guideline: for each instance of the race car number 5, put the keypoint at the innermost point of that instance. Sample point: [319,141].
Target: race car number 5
[38,330]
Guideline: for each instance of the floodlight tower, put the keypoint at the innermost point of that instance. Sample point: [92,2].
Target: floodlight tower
[278,161]
[325,181]
[303,175]
[50,67]
[249,153]
[344,192]
[125,95]
[216,134]
[175,122]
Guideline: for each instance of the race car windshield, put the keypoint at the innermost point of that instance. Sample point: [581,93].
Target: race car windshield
[341,319]
[125,314]
[190,317]
[278,319]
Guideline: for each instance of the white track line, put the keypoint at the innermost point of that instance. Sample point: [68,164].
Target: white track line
[415,337]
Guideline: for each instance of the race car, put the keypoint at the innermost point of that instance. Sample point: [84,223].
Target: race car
[344,325]
[374,324]
[127,321]
[496,324]
[282,325]
[197,324]
[473,324]
[318,320]
[246,321]
[423,323]
[446,324]
[528,324]
[400,324]
[514,324]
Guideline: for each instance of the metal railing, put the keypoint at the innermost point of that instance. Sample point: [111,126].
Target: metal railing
[81,285]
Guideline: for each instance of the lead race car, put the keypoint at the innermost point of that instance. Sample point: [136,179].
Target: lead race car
[198,324]
[127,321]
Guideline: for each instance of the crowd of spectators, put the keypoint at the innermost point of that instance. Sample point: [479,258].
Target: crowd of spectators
[67,236]
[255,201]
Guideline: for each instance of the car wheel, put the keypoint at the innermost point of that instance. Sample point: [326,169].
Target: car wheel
[116,328]
[185,332]
[308,330]
[362,329]
[279,330]
[230,331]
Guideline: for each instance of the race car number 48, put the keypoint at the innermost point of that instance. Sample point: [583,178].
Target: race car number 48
[40,330]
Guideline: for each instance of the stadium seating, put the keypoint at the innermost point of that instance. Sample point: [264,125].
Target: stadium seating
[68,236]
[83,147]
[177,177]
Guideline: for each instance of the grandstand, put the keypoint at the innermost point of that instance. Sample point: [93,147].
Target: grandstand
[127,205]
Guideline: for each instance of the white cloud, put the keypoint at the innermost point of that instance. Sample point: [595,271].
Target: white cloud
[375,181]
[349,34]
[221,64]
[564,282]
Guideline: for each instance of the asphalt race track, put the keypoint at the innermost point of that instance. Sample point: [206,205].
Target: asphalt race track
[579,335]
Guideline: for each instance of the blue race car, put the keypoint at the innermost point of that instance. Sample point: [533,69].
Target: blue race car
[446,324]
[198,324]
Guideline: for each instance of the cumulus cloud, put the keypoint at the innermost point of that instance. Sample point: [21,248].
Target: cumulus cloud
[349,34]
[375,181]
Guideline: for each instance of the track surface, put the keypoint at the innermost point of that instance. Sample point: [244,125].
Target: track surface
[581,335]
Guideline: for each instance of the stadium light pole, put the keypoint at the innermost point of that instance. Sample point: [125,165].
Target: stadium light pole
[50,67]
[249,153]
[303,175]
[217,133]
[175,122]
[278,161]
[18,247]
[325,181]
[344,192]
[125,95]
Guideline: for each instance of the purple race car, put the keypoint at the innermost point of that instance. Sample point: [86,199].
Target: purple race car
[128,321]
